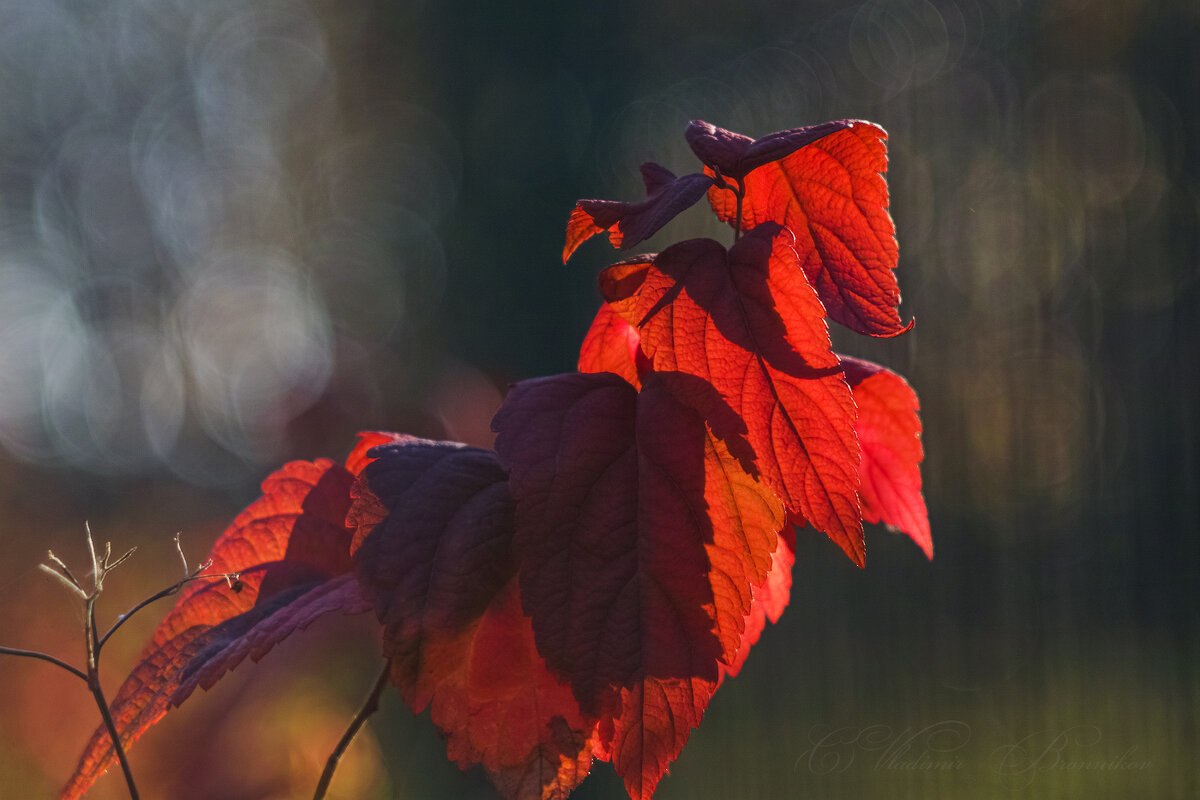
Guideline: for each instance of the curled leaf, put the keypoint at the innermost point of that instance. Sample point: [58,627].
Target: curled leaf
[734,155]
[629,223]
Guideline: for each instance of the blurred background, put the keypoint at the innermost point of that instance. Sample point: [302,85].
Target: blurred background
[233,234]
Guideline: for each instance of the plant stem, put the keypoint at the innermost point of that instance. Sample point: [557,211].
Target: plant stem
[102,704]
[94,642]
[370,706]
[12,651]
[740,194]
[93,680]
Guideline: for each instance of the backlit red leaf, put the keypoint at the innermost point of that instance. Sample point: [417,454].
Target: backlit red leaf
[440,552]
[639,537]
[656,718]
[622,279]
[499,706]
[770,599]
[832,195]
[287,543]
[360,456]
[889,432]
[747,322]
[611,345]
[630,223]
[438,570]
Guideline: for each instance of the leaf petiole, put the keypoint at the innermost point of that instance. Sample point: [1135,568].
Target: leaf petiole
[740,194]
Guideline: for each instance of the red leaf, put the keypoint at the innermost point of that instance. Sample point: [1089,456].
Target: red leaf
[889,432]
[735,155]
[499,706]
[291,539]
[770,599]
[639,537]
[833,197]
[611,345]
[622,279]
[360,456]
[630,223]
[365,510]
[440,553]
[747,322]
[437,568]
[656,717]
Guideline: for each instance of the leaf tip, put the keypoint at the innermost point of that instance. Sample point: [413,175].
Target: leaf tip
[898,332]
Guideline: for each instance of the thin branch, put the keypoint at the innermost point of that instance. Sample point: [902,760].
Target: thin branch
[93,675]
[12,651]
[93,647]
[179,549]
[93,642]
[370,706]
[110,725]
[60,570]
[67,578]
[167,592]
[97,576]
[123,618]
[119,561]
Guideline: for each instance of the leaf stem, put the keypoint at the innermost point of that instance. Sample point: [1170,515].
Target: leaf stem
[740,194]
[370,706]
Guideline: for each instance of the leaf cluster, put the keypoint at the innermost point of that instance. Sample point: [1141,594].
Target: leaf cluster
[582,591]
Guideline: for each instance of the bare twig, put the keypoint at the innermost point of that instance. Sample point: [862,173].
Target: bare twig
[60,568]
[94,643]
[174,588]
[12,651]
[179,549]
[97,578]
[65,576]
[370,706]
[110,567]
